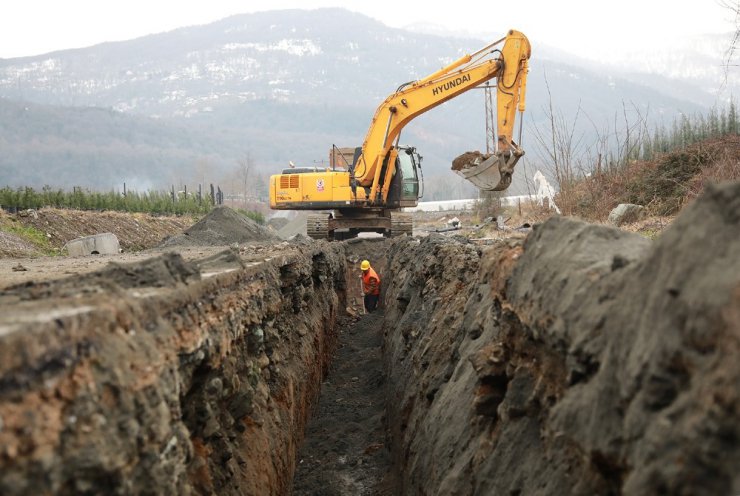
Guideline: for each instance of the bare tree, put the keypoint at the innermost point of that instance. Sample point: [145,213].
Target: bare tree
[734,7]
[635,134]
[559,145]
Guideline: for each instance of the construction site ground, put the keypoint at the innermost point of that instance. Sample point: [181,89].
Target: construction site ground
[213,357]
[345,451]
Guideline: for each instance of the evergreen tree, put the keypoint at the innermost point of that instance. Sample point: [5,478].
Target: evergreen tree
[675,140]
[657,140]
[702,128]
[733,126]
[713,123]
[686,131]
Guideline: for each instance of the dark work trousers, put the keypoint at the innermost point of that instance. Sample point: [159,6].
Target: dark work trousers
[371,302]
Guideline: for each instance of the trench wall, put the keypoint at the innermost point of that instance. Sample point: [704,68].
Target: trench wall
[166,377]
[585,360]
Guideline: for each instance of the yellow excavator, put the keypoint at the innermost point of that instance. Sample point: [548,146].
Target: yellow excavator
[365,188]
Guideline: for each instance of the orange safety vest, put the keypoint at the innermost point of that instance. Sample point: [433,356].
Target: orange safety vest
[370,282]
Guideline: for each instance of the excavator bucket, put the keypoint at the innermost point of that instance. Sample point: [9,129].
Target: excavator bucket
[480,169]
[488,172]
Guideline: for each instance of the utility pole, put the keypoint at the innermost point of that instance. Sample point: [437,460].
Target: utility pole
[490,119]
[490,109]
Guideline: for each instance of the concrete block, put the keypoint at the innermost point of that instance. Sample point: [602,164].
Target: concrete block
[625,213]
[97,244]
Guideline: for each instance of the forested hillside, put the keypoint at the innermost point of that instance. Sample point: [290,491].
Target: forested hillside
[194,105]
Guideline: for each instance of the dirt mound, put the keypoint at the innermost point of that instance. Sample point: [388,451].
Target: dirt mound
[587,361]
[222,226]
[277,223]
[168,269]
[135,231]
[295,227]
[664,185]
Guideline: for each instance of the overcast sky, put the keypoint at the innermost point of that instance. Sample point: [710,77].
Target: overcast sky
[583,27]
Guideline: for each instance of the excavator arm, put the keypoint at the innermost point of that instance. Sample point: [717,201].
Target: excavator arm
[376,164]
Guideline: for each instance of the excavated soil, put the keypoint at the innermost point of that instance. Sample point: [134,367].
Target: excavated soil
[581,359]
[166,376]
[37,270]
[466,159]
[12,245]
[585,360]
[222,226]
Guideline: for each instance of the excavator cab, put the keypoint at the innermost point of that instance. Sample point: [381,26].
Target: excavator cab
[409,167]
[406,184]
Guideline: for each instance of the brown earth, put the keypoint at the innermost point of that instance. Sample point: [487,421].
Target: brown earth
[572,359]
[344,451]
[166,376]
[466,159]
[664,185]
[12,245]
[202,443]
[141,237]
[40,269]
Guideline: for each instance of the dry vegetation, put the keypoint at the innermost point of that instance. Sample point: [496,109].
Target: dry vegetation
[664,185]
[45,232]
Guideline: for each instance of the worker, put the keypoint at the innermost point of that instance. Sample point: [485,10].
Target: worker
[370,286]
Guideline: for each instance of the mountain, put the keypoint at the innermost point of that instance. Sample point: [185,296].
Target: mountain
[102,148]
[275,86]
[699,61]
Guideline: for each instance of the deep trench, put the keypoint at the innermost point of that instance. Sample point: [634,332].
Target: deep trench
[580,360]
[345,450]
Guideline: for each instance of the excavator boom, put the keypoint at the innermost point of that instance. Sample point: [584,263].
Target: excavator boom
[508,64]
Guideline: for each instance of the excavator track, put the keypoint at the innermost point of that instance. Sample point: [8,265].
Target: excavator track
[317,226]
[401,224]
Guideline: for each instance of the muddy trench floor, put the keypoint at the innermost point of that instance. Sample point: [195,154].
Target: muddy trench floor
[344,450]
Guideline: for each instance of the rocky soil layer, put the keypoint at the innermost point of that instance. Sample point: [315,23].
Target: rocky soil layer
[580,360]
[167,376]
[585,360]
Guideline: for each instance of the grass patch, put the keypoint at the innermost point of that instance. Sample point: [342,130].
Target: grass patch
[31,235]
[651,234]
[251,214]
